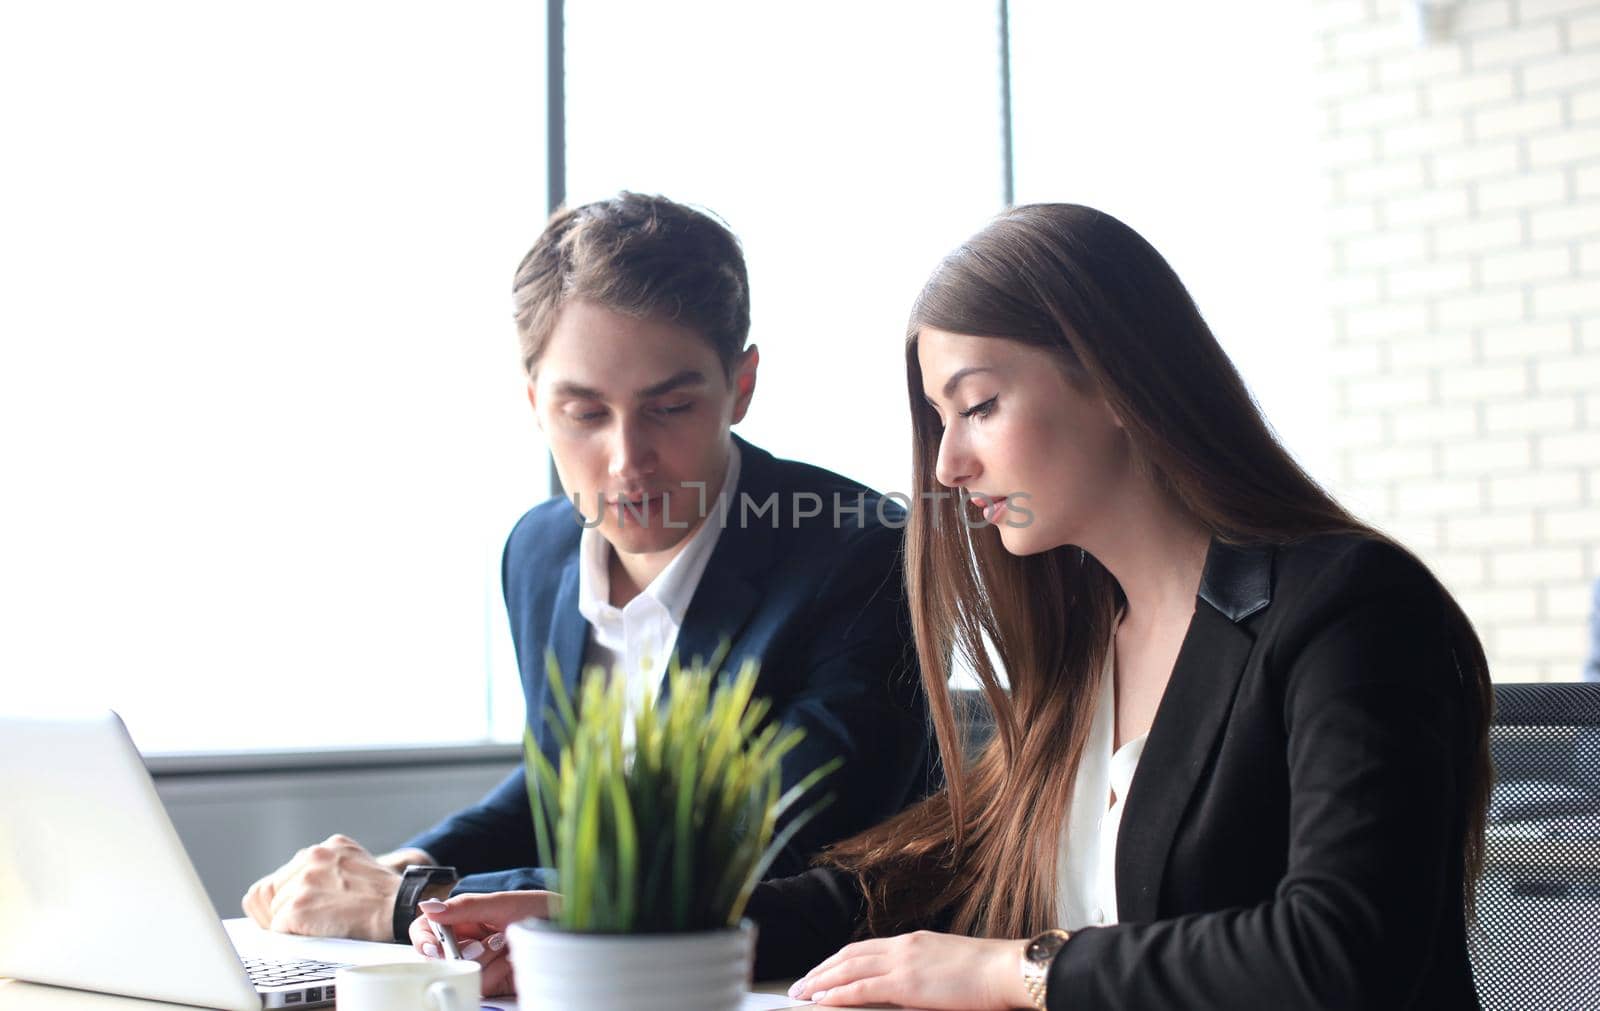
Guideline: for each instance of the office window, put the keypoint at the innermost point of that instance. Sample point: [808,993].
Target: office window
[1393,233]
[1192,123]
[848,145]
[265,424]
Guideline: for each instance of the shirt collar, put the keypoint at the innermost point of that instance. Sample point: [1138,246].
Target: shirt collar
[674,586]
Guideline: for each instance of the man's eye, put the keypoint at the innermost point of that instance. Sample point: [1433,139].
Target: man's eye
[982,410]
[675,408]
[586,417]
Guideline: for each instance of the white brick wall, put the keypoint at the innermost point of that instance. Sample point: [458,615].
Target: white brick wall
[1464,230]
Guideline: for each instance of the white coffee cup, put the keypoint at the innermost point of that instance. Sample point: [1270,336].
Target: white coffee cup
[444,985]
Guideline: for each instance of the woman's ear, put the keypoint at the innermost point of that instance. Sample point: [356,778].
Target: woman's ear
[744,381]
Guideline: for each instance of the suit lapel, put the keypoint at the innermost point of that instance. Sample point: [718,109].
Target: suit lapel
[568,633]
[721,606]
[729,588]
[1193,710]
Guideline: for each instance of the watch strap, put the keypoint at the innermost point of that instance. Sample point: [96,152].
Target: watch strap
[1037,955]
[415,880]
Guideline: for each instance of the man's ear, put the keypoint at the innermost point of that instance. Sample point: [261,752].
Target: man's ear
[744,381]
[533,402]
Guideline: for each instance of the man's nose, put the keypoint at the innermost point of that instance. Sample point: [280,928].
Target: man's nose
[632,452]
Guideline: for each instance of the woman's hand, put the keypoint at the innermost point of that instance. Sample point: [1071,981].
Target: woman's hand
[923,969]
[479,923]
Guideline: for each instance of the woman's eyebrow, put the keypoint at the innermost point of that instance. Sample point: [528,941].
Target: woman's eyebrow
[960,374]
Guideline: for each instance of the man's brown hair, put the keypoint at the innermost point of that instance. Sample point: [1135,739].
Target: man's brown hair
[640,255]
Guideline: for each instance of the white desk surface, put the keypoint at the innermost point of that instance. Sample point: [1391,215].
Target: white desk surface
[19,996]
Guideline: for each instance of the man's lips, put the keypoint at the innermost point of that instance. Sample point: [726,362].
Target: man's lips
[631,499]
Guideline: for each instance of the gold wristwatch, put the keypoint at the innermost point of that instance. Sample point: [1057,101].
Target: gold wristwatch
[1037,955]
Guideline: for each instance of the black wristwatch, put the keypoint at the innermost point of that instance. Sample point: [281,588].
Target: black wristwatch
[416,880]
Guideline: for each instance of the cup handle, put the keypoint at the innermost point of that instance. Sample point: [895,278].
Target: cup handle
[442,997]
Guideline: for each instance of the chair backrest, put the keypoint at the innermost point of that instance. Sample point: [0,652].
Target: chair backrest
[1536,941]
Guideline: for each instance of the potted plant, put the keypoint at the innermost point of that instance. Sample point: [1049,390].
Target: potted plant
[657,838]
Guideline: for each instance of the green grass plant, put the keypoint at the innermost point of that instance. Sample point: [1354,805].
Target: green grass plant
[672,833]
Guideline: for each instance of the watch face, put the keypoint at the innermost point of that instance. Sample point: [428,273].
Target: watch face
[1044,947]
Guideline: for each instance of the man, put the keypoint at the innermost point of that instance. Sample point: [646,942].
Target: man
[633,315]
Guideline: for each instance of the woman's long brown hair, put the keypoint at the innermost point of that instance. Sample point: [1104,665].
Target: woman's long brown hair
[1086,286]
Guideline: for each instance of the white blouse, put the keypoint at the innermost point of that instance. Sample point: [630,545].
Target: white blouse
[638,638]
[1086,885]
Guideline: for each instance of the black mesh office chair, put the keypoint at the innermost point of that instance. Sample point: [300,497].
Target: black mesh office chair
[1536,944]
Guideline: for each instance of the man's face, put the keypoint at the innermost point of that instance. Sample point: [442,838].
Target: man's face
[636,413]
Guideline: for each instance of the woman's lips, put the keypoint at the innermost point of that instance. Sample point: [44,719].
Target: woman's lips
[991,506]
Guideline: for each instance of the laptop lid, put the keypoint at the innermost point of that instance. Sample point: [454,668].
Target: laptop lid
[97,890]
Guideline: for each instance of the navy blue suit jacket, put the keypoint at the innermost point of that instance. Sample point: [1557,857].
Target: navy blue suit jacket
[821,604]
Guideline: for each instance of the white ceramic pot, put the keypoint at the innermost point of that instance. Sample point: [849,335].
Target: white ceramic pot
[558,970]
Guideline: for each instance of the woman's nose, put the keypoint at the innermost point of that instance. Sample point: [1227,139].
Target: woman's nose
[955,466]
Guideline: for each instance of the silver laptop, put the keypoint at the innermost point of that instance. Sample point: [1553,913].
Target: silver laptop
[96,890]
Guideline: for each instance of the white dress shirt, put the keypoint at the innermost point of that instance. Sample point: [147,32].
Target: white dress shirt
[637,639]
[1086,887]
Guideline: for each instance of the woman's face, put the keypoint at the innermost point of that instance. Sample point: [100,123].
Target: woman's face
[1045,461]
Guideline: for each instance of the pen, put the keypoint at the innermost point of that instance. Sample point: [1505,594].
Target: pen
[447,939]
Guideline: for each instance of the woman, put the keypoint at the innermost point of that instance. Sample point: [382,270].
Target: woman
[1243,756]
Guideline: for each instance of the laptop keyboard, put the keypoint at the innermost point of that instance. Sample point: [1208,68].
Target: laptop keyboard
[268,972]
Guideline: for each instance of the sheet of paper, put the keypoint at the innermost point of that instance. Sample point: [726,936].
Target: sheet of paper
[752,1002]
[764,1001]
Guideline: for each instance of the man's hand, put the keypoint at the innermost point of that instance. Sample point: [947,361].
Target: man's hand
[479,923]
[399,860]
[333,889]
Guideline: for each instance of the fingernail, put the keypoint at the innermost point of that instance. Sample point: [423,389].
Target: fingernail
[819,995]
[472,950]
[431,906]
[798,988]
[497,941]
[431,950]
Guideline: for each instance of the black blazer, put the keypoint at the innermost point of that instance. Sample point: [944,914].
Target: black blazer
[1293,834]
[810,587]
